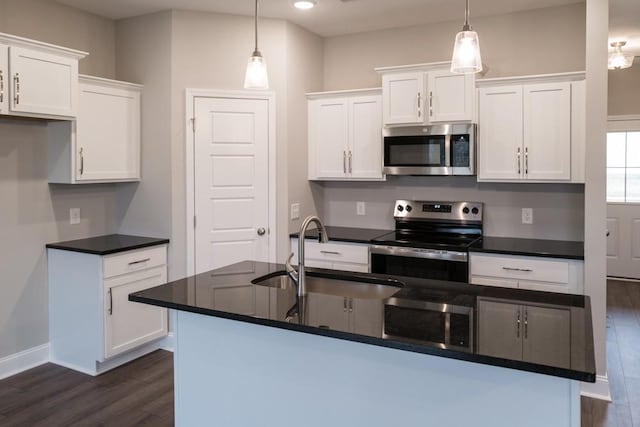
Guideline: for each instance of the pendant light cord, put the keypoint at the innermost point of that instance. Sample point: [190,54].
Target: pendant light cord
[466,26]
[256,28]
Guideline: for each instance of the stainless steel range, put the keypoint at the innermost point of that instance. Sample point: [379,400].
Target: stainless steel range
[430,240]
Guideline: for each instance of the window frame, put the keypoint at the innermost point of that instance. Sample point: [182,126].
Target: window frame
[628,123]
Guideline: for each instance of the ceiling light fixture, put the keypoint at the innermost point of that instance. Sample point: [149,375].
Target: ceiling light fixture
[466,50]
[304,4]
[256,76]
[617,59]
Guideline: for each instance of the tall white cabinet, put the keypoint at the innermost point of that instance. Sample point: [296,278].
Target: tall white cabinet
[345,135]
[103,144]
[531,129]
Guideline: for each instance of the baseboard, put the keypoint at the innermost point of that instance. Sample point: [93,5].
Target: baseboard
[27,359]
[598,390]
[169,342]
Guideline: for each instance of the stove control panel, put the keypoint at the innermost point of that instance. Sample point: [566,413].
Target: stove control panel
[426,210]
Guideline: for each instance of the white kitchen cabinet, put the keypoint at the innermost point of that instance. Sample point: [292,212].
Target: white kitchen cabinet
[333,255]
[531,130]
[38,79]
[527,272]
[531,333]
[93,327]
[103,144]
[425,94]
[345,135]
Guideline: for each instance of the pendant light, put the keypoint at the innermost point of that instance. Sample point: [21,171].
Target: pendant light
[617,59]
[256,76]
[304,4]
[466,50]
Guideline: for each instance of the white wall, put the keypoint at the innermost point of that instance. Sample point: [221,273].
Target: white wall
[33,212]
[624,91]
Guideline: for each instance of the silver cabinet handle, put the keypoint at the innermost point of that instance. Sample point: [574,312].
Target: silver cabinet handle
[526,323]
[419,102]
[350,162]
[330,252]
[81,161]
[139,261]
[344,161]
[261,231]
[517,269]
[350,305]
[110,302]
[518,323]
[1,86]
[526,161]
[519,170]
[430,104]
[344,305]
[16,87]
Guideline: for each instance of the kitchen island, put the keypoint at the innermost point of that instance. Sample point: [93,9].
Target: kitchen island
[249,352]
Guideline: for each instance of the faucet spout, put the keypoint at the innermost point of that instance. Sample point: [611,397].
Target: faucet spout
[323,237]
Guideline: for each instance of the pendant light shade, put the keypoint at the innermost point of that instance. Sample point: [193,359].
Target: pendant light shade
[466,57]
[617,59]
[256,76]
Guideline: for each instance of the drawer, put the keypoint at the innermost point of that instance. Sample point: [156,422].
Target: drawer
[519,268]
[337,252]
[130,261]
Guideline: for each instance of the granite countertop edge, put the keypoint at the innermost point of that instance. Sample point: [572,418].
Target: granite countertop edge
[107,244]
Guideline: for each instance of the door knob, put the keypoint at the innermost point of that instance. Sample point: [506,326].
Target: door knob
[261,231]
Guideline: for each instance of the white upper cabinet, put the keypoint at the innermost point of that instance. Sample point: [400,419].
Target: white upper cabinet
[345,135]
[531,129]
[426,93]
[38,79]
[103,144]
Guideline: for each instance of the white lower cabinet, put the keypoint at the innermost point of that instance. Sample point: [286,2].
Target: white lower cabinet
[93,327]
[333,255]
[527,272]
[531,333]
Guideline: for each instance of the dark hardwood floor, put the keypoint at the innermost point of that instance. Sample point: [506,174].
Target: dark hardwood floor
[623,361]
[138,393]
[141,392]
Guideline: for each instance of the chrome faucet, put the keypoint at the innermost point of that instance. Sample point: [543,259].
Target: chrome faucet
[299,276]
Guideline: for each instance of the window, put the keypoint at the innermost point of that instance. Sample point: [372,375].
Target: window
[623,167]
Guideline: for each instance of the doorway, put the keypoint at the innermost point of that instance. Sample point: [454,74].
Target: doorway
[230,178]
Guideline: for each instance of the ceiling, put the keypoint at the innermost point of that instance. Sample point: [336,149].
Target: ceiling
[336,17]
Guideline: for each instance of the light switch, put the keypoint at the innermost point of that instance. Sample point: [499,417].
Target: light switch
[295,210]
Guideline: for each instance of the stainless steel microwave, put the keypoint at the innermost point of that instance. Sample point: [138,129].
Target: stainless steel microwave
[430,150]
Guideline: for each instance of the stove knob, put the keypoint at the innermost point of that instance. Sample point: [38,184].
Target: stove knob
[400,208]
[474,211]
[465,210]
[409,208]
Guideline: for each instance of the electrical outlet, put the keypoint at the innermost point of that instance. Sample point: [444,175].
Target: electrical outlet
[74,216]
[527,216]
[360,208]
[295,210]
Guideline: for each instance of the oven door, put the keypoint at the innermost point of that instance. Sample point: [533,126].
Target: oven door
[424,263]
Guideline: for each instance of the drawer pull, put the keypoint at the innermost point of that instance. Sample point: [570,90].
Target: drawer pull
[517,269]
[330,252]
[110,302]
[139,261]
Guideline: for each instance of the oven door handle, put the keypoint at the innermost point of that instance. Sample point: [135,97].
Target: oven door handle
[418,253]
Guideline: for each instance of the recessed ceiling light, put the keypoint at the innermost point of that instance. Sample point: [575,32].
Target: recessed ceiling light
[304,4]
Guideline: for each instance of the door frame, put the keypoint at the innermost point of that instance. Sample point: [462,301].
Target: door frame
[190,98]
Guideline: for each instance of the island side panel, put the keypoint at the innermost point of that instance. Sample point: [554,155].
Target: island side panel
[232,373]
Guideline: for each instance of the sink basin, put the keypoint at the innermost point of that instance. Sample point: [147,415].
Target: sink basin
[346,286]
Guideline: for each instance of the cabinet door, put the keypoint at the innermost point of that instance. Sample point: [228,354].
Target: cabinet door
[500,133]
[329,135]
[328,311]
[4,78]
[547,131]
[547,336]
[108,134]
[403,98]
[43,83]
[366,316]
[499,329]
[365,137]
[450,96]
[130,324]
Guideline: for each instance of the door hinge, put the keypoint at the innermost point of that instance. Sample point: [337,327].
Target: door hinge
[193,123]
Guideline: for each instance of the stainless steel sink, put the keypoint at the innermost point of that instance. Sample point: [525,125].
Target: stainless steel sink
[355,287]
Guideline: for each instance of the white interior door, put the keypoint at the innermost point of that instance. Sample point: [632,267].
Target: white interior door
[623,241]
[231,181]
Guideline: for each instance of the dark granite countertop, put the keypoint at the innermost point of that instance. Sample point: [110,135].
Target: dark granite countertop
[346,234]
[274,303]
[530,247]
[108,244]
